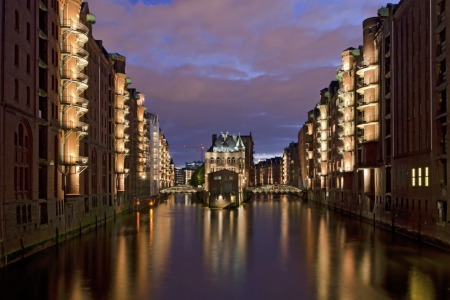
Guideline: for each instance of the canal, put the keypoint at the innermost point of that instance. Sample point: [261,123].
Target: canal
[269,249]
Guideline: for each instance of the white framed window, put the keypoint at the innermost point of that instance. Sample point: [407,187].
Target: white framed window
[419,176]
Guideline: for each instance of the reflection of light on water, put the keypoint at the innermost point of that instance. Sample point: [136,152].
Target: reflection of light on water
[420,285]
[77,288]
[284,238]
[138,221]
[225,243]
[122,276]
[347,276]
[150,230]
[365,267]
[323,261]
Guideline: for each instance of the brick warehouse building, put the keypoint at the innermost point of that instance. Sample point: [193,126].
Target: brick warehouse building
[383,130]
[65,115]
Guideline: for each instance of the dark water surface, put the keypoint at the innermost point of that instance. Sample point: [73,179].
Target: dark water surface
[269,249]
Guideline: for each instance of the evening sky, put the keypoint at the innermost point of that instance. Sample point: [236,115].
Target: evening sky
[240,66]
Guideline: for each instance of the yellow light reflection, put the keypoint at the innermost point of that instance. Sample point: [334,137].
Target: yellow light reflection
[420,285]
[138,219]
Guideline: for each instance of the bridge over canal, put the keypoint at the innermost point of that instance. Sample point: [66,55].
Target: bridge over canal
[275,189]
[179,189]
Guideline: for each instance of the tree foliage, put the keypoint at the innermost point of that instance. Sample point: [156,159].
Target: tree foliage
[198,177]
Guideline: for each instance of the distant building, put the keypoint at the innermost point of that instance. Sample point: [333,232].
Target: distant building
[166,167]
[180,176]
[269,171]
[249,159]
[291,165]
[190,168]
[154,144]
[193,165]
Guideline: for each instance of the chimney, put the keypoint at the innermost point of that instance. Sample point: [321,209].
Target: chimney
[214,139]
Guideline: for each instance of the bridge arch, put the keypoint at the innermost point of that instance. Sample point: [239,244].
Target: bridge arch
[179,189]
[275,189]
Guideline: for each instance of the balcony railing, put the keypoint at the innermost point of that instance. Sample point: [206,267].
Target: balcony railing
[75,126]
[122,171]
[75,101]
[75,160]
[365,138]
[76,76]
[78,27]
[122,151]
[369,118]
[78,53]
[125,137]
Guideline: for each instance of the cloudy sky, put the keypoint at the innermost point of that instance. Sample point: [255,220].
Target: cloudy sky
[240,66]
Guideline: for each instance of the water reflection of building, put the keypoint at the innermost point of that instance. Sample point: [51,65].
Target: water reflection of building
[225,244]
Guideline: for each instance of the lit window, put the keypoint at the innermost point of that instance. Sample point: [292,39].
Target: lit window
[419,176]
[413,177]
[426,176]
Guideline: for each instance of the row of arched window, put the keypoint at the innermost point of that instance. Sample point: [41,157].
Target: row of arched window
[227,160]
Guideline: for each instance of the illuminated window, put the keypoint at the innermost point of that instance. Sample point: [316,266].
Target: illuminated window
[426,176]
[413,177]
[419,176]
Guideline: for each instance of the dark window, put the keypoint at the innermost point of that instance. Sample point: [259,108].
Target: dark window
[28,63]
[16,90]
[16,21]
[104,164]
[28,32]
[18,217]
[24,213]
[16,55]
[15,179]
[55,171]
[29,212]
[94,171]
[43,213]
